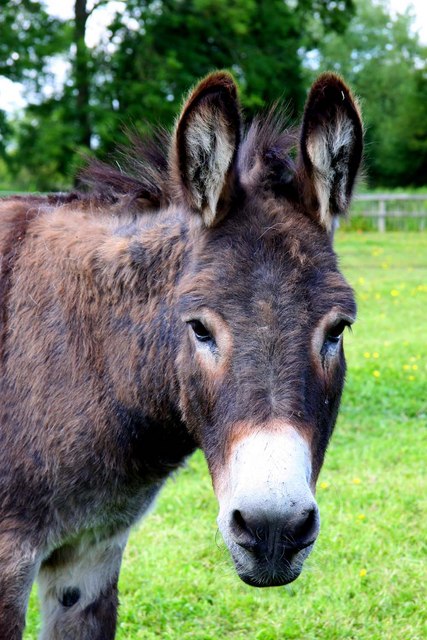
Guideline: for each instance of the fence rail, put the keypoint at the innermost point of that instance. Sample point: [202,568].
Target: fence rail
[391,205]
[379,208]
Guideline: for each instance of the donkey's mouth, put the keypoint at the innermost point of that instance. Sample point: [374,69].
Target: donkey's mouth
[273,581]
[265,572]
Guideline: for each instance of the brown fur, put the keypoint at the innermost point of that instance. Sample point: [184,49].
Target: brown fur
[103,391]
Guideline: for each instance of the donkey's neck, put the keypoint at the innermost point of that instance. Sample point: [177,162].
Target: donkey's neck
[120,278]
[139,266]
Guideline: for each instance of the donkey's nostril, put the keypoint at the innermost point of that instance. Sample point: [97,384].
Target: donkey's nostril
[242,533]
[238,521]
[306,530]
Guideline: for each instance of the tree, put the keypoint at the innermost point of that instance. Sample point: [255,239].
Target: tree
[385,64]
[154,50]
[29,37]
[45,154]
[81,74]
[172,43]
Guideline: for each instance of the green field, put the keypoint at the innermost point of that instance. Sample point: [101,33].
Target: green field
[366,578]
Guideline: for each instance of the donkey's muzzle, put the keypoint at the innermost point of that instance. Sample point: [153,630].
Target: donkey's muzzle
[268,515]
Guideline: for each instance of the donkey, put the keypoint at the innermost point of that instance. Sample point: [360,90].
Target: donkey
[191,300]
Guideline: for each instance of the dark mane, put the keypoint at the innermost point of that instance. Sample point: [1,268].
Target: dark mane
[138,175]
[268,142]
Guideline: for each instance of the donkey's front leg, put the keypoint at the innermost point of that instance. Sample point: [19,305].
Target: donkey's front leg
[78,590]
[18,568]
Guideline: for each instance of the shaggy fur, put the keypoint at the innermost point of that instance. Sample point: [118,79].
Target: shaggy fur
[106,388]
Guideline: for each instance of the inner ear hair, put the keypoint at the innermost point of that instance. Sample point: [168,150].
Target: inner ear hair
[331,146]
[206,140]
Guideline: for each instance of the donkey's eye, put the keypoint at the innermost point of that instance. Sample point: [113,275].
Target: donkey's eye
[202,334]
[335,332]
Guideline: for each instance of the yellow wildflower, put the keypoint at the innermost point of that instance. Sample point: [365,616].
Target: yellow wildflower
[362,573]
[376,373]
[395,292]
[367,354]
[324,485]
[356,481]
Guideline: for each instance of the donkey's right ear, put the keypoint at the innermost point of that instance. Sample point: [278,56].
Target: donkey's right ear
[205,145]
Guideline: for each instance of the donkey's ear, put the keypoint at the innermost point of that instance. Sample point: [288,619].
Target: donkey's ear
[205,145]
[331,148]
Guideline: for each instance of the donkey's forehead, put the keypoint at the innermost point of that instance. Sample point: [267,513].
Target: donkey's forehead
[264,266]
[264,297]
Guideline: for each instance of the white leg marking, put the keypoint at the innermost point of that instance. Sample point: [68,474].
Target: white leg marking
[88,568]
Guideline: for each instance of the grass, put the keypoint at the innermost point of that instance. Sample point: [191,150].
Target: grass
[366,578]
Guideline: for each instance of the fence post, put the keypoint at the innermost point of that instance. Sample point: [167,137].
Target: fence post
[381,215]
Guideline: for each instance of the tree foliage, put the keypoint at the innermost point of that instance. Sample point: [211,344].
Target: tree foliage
[29,37]
[383,60]
[153,50]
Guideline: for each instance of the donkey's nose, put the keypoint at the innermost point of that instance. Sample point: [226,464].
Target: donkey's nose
[272,534]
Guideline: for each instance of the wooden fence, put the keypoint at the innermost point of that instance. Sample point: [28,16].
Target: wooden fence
[387,205]
[380,207]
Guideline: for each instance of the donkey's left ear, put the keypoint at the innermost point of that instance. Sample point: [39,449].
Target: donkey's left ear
[331,148]
[205,144]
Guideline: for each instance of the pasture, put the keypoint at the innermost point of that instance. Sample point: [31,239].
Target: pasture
[366,576]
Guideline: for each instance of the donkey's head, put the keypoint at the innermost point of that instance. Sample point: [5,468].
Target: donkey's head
[261,363]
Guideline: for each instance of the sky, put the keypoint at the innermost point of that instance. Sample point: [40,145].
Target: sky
[12,95]
[420,8]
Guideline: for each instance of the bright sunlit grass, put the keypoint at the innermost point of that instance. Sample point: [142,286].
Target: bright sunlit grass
[366,579]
